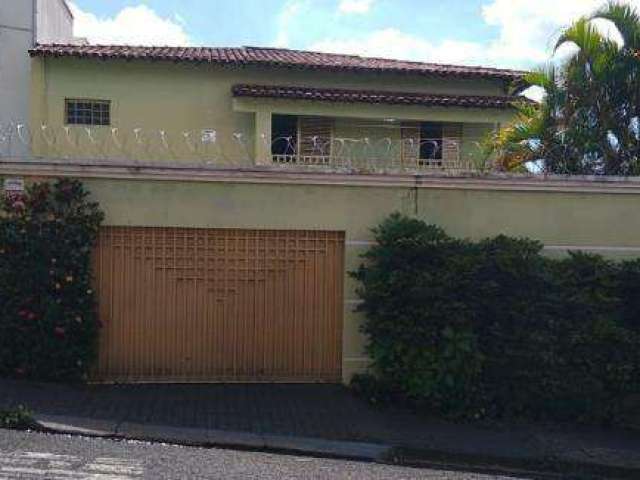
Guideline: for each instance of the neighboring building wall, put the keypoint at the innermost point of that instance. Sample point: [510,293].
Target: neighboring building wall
[17,36]
[594,218]
[175,98]
[55,22]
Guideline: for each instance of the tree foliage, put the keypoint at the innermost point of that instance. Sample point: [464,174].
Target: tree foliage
[588,120]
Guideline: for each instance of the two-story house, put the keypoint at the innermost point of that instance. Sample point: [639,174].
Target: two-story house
[240,186]
[264,106]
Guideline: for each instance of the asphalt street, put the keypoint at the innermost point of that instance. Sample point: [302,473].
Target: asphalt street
[53,457]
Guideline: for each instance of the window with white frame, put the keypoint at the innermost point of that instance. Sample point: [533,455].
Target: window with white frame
[87,112]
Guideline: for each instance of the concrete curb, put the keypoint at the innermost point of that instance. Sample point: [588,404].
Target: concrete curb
[200,437]
[537,468]
[76,426]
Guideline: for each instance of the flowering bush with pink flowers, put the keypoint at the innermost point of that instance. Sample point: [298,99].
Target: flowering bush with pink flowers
[48,321]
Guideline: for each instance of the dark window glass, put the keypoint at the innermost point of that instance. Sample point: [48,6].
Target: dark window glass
[284,134]
[431,135]
[88,112]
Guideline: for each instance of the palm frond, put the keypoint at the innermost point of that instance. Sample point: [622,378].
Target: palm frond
[514,145]
[587,121]
[625,18]
[584,35]
[545,77]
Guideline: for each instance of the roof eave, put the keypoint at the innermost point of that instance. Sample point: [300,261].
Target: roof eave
[295,93]
[509,77]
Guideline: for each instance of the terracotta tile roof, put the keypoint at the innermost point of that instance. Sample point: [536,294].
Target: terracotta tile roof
[276,57]
[367,96]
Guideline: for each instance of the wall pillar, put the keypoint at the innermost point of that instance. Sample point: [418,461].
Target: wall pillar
[263,137]
[452,145]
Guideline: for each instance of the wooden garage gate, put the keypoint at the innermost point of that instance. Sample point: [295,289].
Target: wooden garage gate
[199,305]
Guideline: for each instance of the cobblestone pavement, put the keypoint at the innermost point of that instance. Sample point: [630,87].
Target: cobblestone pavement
[325,411]
[32,456]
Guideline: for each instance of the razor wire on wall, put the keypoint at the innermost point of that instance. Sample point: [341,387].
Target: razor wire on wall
[210,148]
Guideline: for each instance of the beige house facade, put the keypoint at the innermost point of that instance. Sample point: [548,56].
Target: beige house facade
[254,106]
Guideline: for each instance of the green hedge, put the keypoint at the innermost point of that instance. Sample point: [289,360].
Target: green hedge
[48,321]
[496,329]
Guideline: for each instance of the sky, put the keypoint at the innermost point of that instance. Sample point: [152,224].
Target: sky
[502,33]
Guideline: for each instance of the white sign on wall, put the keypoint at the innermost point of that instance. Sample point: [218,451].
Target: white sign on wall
[14,184]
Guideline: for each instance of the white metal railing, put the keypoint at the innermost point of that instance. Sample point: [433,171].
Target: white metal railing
[341,162]
[294,159]
[423,154]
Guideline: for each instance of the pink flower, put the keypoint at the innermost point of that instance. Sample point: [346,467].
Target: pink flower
[59,332]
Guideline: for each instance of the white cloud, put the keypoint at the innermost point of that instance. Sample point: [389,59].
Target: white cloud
[138,25]
[526,34]
[528,30]
[393,43]
[355,6]
[286,20]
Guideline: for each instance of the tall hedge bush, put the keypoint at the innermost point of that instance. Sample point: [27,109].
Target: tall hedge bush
[48,322]
[496,329]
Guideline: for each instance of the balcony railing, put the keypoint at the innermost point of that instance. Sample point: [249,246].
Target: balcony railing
[350,162]
[307,160]
[412,154]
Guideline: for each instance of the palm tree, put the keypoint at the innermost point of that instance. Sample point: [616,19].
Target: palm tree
[588,121]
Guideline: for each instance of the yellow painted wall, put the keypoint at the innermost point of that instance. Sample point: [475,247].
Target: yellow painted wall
[590,220]
[155,96]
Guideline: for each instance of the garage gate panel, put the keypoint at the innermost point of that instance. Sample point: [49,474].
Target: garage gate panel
[222,305]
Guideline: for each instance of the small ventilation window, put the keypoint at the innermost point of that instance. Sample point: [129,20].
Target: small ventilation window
[88,112]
